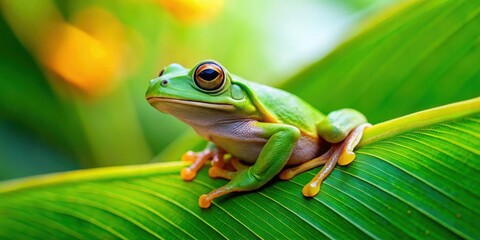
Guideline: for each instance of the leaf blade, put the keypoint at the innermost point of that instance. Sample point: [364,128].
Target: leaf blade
[389,181]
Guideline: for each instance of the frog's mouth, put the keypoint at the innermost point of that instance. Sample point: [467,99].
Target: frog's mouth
[158,101]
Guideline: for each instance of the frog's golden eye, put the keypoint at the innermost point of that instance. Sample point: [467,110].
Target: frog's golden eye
[161,72]
[209,76]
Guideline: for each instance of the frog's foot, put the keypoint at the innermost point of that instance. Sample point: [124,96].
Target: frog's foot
[341,153]
[240,181]
[198,160]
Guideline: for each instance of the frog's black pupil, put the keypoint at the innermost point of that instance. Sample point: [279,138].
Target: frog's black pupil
[208,74]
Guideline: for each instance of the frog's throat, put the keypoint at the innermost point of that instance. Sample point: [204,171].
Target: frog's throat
[220,106]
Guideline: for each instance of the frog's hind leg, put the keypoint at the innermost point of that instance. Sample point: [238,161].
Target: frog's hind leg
[341,153]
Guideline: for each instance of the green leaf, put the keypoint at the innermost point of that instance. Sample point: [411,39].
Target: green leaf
[419,182]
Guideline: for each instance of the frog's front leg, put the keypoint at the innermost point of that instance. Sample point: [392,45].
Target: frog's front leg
[273,157]
[198,160]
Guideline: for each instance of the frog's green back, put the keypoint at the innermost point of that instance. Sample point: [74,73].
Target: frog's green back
[284,107]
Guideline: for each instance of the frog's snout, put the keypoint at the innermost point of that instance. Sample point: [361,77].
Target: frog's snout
[152,83]
[155,83]
[154,87]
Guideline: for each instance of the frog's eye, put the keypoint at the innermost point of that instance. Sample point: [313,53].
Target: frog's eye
[161,72]
[209,76]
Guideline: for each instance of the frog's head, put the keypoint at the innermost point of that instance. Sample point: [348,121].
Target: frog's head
[207,86]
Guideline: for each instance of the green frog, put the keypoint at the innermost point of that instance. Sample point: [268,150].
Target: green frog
[254,132]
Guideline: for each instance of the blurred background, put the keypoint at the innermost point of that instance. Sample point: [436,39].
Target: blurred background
[73,73]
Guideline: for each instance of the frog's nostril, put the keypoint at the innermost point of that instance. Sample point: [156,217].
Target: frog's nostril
[164,82]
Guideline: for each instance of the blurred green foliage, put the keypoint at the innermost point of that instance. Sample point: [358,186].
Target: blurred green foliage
[261,41]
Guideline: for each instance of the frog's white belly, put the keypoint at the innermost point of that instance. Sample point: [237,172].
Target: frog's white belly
[236,135]
[245,141]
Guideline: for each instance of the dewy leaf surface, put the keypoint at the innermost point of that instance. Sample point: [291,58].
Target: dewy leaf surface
[421,183]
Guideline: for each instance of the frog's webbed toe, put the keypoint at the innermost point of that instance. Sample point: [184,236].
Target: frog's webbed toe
[197,159]
[206,199]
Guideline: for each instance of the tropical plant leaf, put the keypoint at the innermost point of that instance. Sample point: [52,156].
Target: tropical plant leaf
[417,182]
